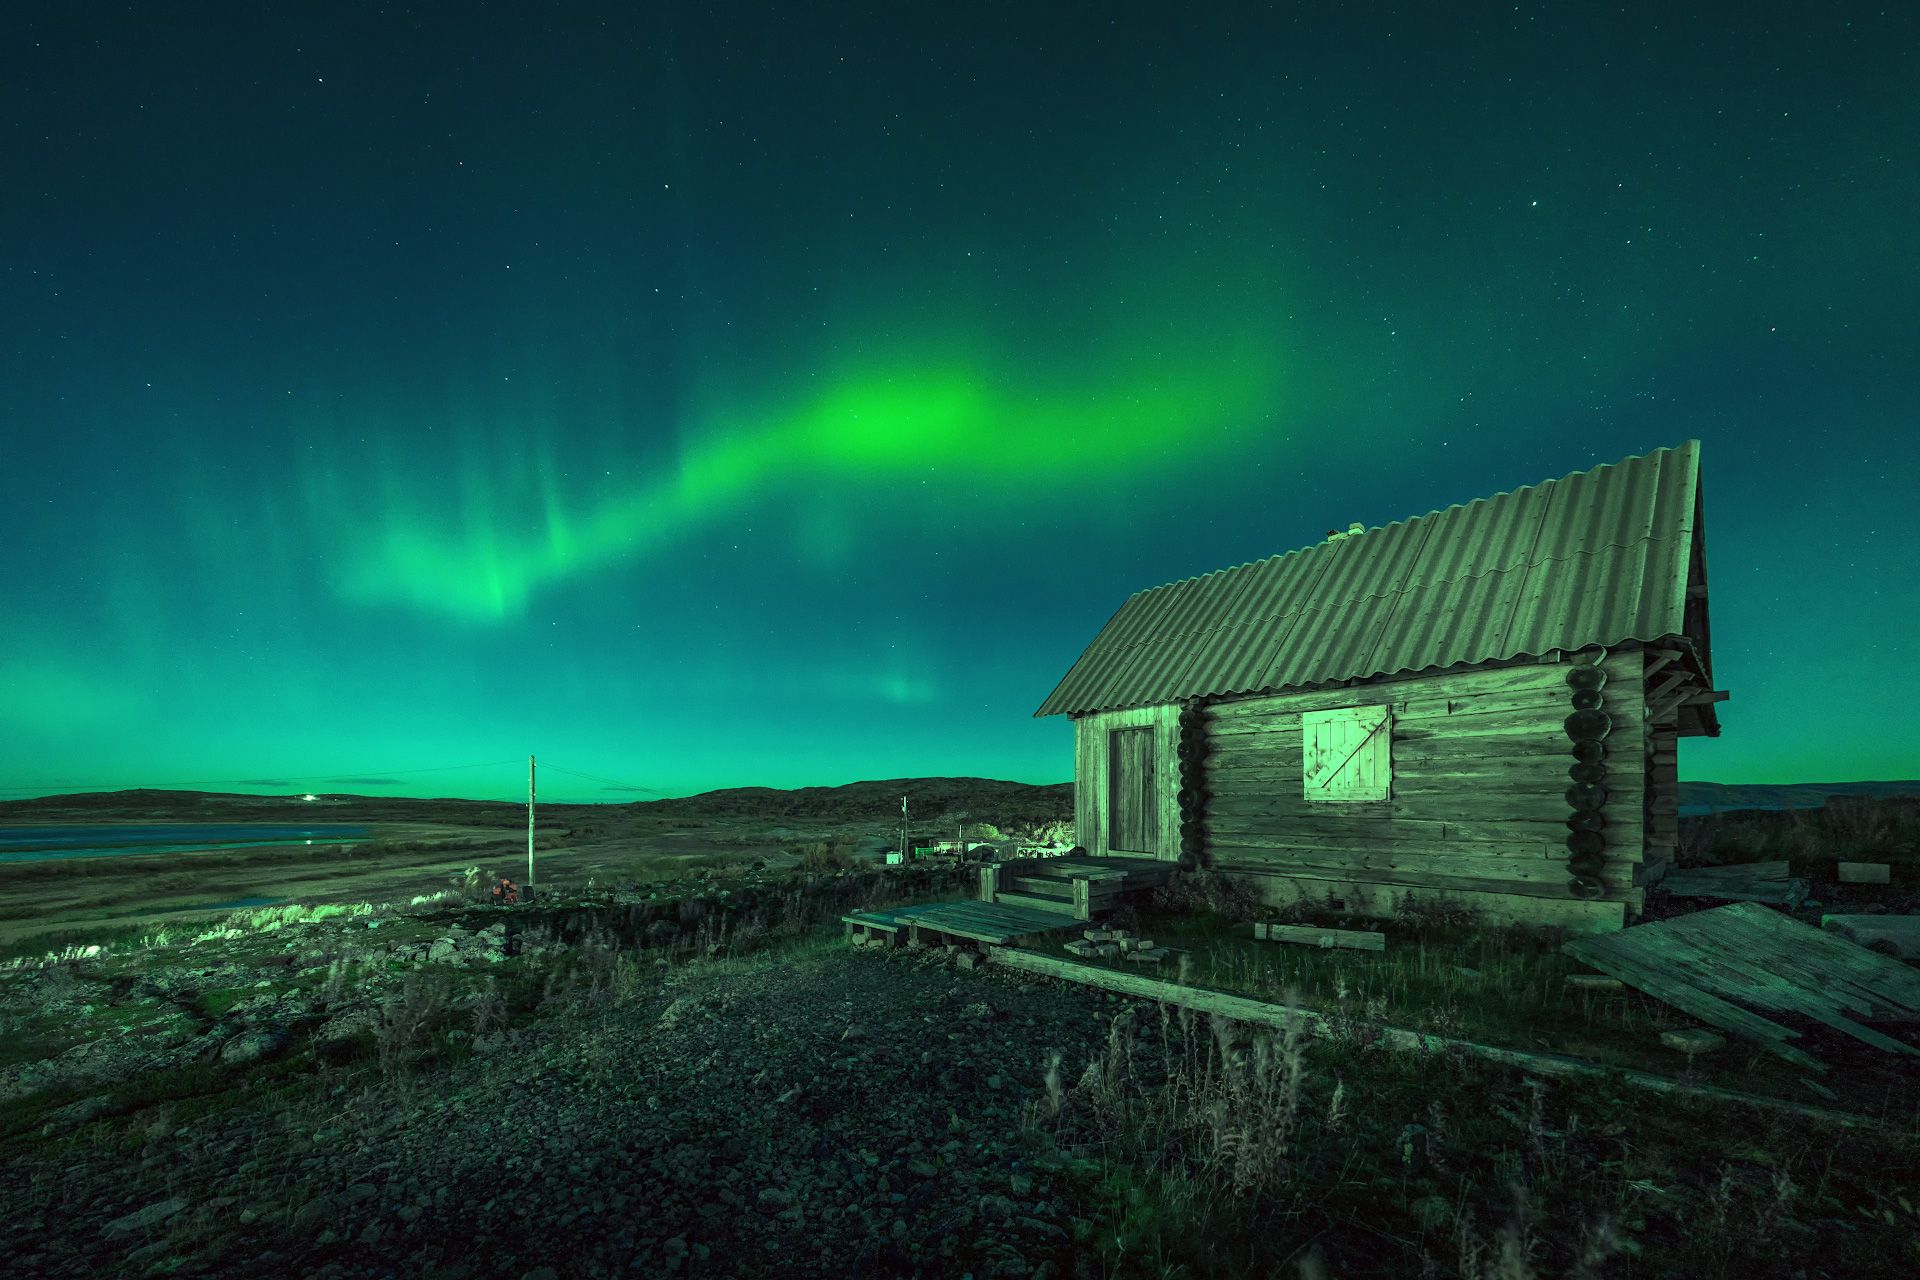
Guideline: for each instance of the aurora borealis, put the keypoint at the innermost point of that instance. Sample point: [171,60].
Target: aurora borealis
[786,396]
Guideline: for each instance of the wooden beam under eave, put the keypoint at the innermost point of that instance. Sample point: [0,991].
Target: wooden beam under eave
[1667,686]
[1699,696]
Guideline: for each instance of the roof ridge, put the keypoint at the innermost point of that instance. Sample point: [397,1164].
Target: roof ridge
[1455,506]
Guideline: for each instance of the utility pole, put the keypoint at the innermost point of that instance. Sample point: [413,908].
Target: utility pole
[906,854]
[529,828]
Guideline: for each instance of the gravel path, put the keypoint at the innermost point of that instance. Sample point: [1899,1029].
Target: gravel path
[849,1114]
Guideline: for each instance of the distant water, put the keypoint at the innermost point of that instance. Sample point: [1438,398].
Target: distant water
[33,844]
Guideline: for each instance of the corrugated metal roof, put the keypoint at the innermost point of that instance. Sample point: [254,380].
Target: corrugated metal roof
[1596,557]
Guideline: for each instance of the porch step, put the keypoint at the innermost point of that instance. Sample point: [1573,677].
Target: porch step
[1036,902]
[1045,887]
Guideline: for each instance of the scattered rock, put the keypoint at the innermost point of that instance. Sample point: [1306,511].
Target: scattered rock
[996,1208]
[252,1045]
[73,1115]
[1692,1041]
[152,1215]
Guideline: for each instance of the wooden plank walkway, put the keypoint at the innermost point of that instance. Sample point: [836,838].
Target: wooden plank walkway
[996,922]
[1712,963]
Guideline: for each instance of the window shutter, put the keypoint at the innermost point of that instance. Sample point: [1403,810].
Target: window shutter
[1346,753]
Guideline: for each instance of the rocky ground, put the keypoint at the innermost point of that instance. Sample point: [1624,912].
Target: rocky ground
[713,1082]
[829,1112]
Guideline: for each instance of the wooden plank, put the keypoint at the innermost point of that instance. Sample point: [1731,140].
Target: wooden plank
[1704,962]
[1897,935]
[1466,682]
[1702,1005]
[1263,1013]
[1749,882]
[1540,714]
[1657,693]
[1895,984]
[1863,872]
[1307,935]
[1792,978]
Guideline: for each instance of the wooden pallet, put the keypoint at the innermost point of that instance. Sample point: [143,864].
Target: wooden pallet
[1713,963]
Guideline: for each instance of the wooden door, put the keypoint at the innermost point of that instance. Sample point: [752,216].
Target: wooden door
[1131,805]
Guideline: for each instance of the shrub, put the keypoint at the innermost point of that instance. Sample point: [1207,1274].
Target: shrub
[1230,897]
[824,855]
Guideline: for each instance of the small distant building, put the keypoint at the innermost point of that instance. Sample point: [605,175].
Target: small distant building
[1476,706]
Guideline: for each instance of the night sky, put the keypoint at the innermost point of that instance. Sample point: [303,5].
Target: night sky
[713,397]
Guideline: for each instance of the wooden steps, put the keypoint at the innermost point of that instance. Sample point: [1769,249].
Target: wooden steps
[1080,887]
[1044,887]
[1038,902]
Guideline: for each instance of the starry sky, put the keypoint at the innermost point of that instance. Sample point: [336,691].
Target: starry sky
[714,396]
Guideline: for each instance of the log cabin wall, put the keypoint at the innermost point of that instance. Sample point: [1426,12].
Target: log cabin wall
[1477,808]
[1092,781]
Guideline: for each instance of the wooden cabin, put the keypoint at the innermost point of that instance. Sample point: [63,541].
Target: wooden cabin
[1478,706]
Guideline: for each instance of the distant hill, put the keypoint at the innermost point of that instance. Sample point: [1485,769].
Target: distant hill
[1792,795]
[928,800]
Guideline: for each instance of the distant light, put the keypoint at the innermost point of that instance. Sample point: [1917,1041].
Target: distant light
[309,796]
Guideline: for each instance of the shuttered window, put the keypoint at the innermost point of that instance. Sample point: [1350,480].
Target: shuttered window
[1346,754]
[1130,799]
